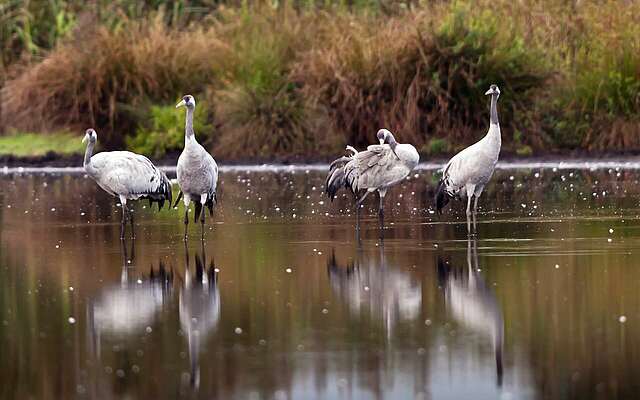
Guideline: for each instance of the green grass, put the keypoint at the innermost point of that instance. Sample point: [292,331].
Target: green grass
[34,145]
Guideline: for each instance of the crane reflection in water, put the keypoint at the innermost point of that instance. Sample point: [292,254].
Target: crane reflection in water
[471,303]
[199,307]
[371,286]
[132,305]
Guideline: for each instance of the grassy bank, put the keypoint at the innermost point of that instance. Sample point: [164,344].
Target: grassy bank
[303,80]
[30,145]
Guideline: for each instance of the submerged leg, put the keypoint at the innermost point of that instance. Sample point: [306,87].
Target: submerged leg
[469,212]
[358,205]
[203,201]
[475,213]
[123,203]
[186,222]
[133,232]
[186,199]
[381,193]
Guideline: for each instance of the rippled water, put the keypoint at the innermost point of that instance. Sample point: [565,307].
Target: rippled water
[282,302]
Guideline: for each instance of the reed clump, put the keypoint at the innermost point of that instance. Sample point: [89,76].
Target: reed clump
[105,78]
[422,76]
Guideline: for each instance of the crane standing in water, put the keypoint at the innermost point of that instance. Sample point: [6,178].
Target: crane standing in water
[467,173]
[127,175]
[197,171]
[378,168]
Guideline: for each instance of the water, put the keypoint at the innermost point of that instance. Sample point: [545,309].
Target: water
[281,302]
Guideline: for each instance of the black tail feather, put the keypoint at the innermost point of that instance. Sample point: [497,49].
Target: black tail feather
[336,179]
[442,197]
[211,202]
[177,200]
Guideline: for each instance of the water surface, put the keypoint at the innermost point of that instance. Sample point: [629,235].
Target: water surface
[282,302]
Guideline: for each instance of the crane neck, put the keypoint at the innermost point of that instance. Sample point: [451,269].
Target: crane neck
[188,129]
[392,141]
[494,110]
[88,153]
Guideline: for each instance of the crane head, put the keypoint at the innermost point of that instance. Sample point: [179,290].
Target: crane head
[383,134]
[90,135]
[493,89]
[187,101]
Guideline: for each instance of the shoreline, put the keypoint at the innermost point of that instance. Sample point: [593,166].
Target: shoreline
[56,161]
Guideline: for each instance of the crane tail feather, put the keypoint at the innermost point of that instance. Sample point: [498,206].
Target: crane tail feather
[177,200]
[337,177]
[442,196]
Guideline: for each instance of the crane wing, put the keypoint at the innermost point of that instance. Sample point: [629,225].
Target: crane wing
[129,174]
[378,167]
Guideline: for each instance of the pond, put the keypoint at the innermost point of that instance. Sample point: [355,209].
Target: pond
[281,301]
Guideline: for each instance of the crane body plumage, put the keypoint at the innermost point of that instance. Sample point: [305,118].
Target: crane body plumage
[469,171]
[126,175]
[197,171]
[378,168]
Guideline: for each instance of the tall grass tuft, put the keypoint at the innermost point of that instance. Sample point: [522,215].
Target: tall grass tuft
[422,75]
[259,110]
[106,78]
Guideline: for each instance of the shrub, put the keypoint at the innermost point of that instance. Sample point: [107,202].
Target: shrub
[261,113]
[420,74]
[436,146]
[164,130]
[105,78]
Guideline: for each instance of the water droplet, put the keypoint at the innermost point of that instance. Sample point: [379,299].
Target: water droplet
[72,320]
[622,319]
[148,329]
[289,270]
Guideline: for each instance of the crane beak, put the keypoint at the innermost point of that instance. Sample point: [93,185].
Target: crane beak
[181,104]
[84,139]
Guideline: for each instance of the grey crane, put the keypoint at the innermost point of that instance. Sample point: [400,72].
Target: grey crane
[197,171]
[126,175]
[378,168]
[472,303]
[467,173]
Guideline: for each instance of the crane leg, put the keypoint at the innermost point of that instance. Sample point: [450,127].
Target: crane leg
[203,201]
[124,218]
[358,204]
[381,193]
[475,213]
[186,222]
[133,232]
[469,211]
[202,222]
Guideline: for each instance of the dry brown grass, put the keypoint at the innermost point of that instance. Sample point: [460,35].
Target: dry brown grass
[421,75]
[102,78]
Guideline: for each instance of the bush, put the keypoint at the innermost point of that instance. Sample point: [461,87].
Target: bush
[164,131]
[261,113]
[105,78]
[420,73]
[436,146]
